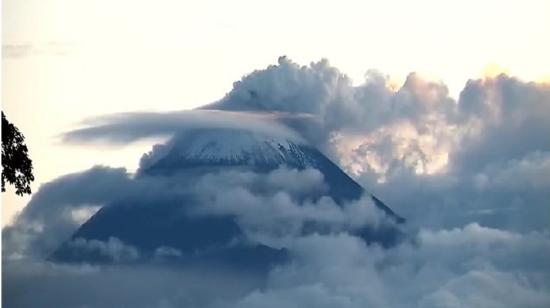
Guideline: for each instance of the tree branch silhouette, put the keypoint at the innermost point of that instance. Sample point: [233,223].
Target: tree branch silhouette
[16,164]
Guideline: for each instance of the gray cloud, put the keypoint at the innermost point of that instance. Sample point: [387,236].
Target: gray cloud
[72,286]
[22,50]
[470,175]
[322,90]
[454,268]
[48,217]
[15,50]
[496,154]
[263,204]
[270,210]
[440,162]
[129,127]
[472,266]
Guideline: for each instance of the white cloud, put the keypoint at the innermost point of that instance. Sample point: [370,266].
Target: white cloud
[129,127]
[269,208]
[469,175]
[114,249]
[472,266]
[469,267]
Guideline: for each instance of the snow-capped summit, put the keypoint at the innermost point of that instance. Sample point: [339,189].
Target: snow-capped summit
[227,147]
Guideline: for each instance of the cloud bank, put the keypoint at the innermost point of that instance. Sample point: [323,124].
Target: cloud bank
[479,158]
[470,176]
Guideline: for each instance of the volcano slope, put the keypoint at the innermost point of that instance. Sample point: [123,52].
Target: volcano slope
[169,226]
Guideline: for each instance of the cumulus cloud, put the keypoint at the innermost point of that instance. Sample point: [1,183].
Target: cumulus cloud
[417,146]
[54,212]
[263,204]
[469,267]
[469,174]
[60,207]
[439,161]
[416,125]
[270,209]
[472,266]
[339,107]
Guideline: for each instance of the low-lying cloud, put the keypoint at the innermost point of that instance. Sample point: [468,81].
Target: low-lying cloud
[265,205]
[472,266]
[469,267]
[470,176]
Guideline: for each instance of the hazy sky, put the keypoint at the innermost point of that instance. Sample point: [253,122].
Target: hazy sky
[65,60]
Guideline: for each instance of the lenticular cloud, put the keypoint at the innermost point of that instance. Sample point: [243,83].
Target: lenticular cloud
[468,174]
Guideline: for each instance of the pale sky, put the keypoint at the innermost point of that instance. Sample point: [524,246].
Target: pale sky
[66,60]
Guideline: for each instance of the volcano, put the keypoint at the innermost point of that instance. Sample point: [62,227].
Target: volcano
[159,225]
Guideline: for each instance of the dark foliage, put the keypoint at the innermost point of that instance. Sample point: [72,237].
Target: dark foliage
[16,164]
